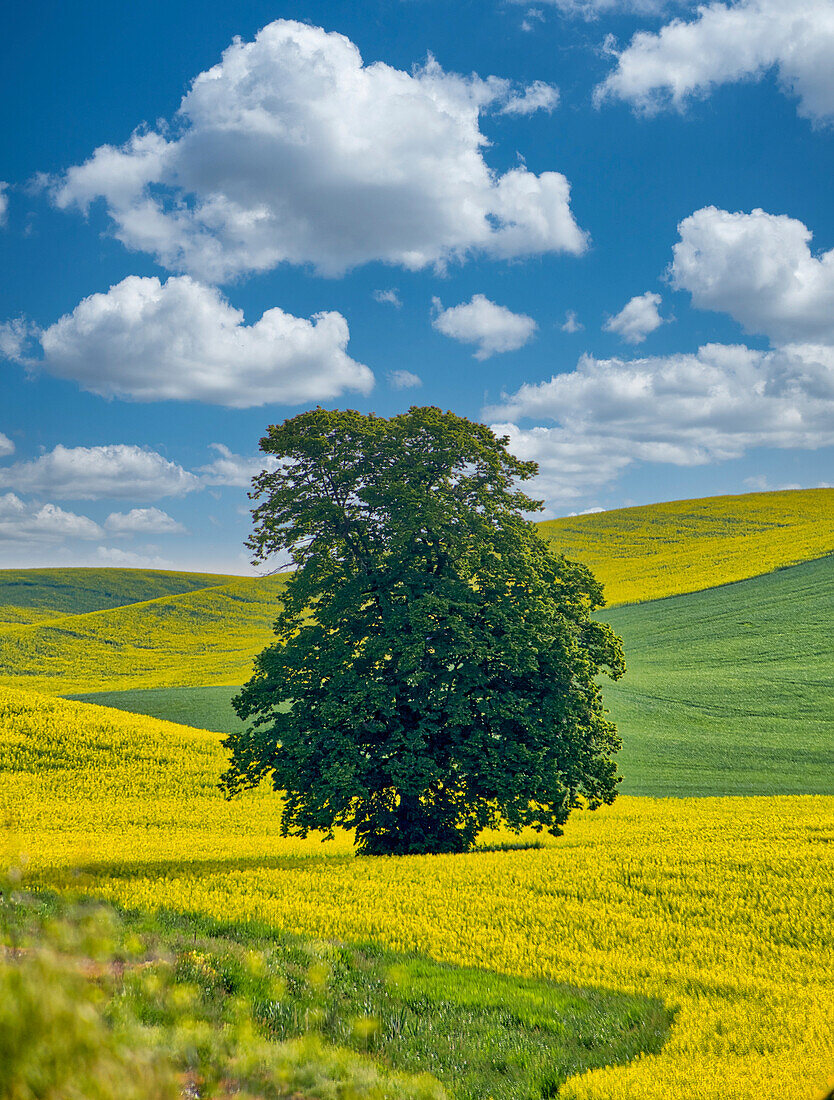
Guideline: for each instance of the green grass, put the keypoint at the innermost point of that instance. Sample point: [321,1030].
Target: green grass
[205,708]
[481,1034]
[31,595]
[662,550]
[730,691]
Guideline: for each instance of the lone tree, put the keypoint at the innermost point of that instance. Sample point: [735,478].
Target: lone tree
[436,664]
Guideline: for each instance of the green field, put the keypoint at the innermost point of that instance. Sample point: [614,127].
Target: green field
[728,691]
[31,595]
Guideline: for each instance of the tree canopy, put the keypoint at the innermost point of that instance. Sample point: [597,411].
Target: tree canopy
[436,666]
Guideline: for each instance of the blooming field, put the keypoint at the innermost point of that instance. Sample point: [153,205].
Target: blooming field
[723,907]
[661,550]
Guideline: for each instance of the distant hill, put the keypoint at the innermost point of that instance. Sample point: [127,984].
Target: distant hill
[687,545]
[207,636]
[208,632]
[730,691]
[33,595]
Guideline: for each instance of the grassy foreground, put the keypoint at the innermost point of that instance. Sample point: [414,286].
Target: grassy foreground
[721,908]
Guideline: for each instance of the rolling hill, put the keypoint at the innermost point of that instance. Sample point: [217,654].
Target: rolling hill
[33,595]
[728,691]
[687,545]
[208,636]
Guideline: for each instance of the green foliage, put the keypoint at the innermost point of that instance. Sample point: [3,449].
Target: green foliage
[660,550]
[440,661]
[29,595]
[729,691]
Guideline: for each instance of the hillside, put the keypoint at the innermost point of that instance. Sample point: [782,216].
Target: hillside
[730,691]
[208,636]
[32,595]
[662,550]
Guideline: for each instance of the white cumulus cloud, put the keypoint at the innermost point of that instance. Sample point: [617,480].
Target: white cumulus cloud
[491,327]
[729,42]
[572,322]
[180,340]
[24,522]
[637,318]
[388,298]
[6,445]
[403,380]
[537,97]
[685,409]
[290,149]
[233,469]
[760,269]
[129,559]
[143,521]
[115,471]
[4,202]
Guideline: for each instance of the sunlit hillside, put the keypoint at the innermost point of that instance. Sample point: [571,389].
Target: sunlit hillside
[722,908]
[208,636]
[687,545]
[32,595]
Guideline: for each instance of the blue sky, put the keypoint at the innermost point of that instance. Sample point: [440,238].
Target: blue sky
[605,225]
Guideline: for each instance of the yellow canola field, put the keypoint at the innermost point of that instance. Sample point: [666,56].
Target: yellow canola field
[658,550]
[722,907]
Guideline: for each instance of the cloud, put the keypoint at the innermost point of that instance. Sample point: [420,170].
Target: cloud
[4,202]
[232,469]
[759,268]
[492,327]
[403,380]
[727,43]
[592,9]
[15,337]
[537,97]
[387,297]
[180,340]
[685,410]
[128,559]
[143,521]
[572,322]
[637,318]
[6,445]
[21,522]
[291,150]
[117,471]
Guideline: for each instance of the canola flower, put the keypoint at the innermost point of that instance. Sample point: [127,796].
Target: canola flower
[659,550]
[723,907]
